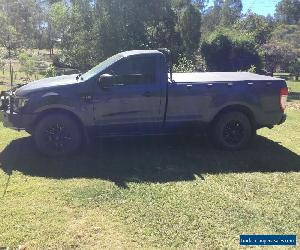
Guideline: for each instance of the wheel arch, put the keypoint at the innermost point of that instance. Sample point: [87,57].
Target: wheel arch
[236,107]
[69,113]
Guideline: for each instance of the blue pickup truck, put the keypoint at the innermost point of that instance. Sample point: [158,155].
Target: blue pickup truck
[136,93]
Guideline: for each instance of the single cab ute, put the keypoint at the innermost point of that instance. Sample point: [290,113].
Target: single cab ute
[136,93]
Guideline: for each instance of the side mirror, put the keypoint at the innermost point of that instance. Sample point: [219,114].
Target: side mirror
[105,81]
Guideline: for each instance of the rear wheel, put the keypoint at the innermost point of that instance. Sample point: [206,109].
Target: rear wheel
[233,131]
[57,135]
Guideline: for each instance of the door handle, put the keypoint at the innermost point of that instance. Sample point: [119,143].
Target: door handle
[147,94]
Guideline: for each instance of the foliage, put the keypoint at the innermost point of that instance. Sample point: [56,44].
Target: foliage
[78,42]
[221,14]
[256,26]
[226,51]
[8,34]
[212,17]
[2,59]
[87,32]
[252,69]
[200,64]
[278,55]
[184,65]
[288,34]
[58,19]
[22,21]
[231,12]
[190,25]
[95,32]
[288,11]
[295,68]
[178,5]
[28,62]
[51,71]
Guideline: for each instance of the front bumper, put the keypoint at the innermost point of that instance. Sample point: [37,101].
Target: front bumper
[17,121]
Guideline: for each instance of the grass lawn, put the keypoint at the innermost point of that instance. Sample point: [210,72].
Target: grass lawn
[150,192]
[3,87]
[19,77]
[294,86]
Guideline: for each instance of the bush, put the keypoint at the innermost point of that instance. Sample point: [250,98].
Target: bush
[51,71]
[278,55]
[226,51]
[2,61]
[252,69]
[295,69]
[184,65]
[28,63]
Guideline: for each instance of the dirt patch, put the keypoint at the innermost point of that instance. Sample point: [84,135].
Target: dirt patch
[294,105]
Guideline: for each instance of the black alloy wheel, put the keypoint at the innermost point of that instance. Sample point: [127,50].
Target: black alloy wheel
[233,131]
[57,134]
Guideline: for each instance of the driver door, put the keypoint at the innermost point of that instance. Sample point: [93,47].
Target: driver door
[131,103]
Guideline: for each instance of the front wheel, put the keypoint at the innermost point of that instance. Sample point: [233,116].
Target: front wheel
[233,131]
[57,135]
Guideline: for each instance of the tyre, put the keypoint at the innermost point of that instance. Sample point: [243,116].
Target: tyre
[233,131]
[57,135]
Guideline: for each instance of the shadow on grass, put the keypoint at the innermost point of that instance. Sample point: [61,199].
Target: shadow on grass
[149,159]
[294,96]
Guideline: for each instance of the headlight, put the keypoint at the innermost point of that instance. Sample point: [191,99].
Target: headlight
[19,103]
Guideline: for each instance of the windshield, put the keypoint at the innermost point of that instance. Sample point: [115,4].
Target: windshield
[102,66]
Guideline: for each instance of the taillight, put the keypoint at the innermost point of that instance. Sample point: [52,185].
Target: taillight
[283,98]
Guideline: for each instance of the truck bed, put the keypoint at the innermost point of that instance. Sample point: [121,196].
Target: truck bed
[202,96]
[206,77]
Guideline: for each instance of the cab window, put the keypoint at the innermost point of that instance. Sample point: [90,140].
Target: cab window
[135,70]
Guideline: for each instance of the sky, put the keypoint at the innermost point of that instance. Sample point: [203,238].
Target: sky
[261,7]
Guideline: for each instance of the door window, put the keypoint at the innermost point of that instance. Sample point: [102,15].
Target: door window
[135,70]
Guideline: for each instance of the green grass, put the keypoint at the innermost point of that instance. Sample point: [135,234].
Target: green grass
[151,192]
[3,87]
[294,86]
[19,77]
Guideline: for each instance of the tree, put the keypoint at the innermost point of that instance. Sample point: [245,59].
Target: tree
[190,25]
[28,63]
[120,26]
[257,26]
[231,12]
[212,17]
[2,60]
[288,34]
[25,17]
[181,4]
[288,11]
[58,22]
[278,55]
[78,42]
[223,13]
[7,32]
[95,30]
[295,68]
[224,50]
